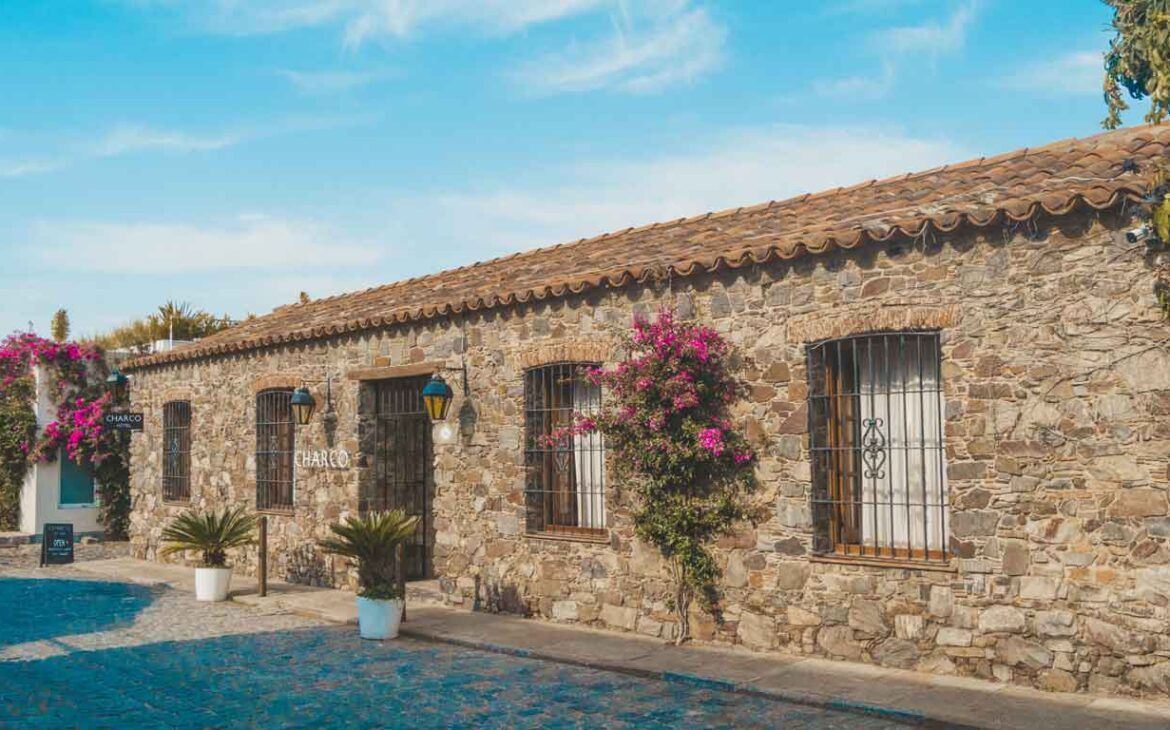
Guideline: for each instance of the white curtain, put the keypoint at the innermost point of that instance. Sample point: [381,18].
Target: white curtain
[589,458]
[904,496]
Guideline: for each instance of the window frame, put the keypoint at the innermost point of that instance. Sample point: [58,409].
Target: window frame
[274,404]
[95,498]
[180,410]
[847,448]
[544,413]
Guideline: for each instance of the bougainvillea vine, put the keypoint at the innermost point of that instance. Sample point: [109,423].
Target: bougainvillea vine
[671,439]
[74,379]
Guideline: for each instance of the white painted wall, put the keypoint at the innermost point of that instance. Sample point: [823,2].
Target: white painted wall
[41,494]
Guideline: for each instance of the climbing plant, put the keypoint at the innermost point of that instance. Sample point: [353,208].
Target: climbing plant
[1138,59]
[75,381]
[668,429]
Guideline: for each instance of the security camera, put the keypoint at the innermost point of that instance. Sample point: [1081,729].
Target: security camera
[1136,235]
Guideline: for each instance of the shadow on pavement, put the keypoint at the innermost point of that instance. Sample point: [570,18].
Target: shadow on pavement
[33,609]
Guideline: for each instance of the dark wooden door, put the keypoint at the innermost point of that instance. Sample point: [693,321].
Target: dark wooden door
[402,464]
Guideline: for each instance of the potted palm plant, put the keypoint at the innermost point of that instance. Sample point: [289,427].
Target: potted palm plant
[212,534]
[371,541]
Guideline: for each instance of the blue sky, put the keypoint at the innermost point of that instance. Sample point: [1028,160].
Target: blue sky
[232,153]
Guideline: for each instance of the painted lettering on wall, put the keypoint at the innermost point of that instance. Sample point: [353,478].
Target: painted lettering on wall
[322,459]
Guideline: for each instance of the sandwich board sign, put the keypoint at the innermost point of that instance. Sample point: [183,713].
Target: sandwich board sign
[57,544]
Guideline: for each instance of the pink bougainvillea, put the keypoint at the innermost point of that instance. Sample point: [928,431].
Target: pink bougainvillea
[670,436]
[75,384]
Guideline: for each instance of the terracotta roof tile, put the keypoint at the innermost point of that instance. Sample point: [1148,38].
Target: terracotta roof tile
[1014,186]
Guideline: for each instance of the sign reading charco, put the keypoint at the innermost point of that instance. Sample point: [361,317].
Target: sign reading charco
[123,421]
[322,459]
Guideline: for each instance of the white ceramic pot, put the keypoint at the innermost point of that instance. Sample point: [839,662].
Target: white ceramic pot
[379,619]
[211,584]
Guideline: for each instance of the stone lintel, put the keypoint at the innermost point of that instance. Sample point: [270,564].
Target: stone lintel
[386,372]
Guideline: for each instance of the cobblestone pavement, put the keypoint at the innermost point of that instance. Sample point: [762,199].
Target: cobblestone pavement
[81,652]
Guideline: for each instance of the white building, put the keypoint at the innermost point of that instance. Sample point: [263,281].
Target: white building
[60,490]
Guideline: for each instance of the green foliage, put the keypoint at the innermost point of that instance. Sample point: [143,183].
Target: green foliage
[60,326]
[181,319]
[1138,59]
[371,541]
[210,533]
[18,424]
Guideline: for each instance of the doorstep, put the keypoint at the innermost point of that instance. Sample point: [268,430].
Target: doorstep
[924,699]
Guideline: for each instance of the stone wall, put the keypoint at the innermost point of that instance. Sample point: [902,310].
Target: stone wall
[1057,392]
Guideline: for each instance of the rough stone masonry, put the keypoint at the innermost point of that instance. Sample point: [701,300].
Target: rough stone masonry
[1057,396]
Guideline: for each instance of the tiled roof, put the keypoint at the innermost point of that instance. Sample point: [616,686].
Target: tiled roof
[1096,171]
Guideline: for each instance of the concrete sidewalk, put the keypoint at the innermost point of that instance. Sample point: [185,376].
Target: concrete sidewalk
[928,699]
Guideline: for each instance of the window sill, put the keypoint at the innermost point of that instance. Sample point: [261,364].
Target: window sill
[601,538]
[900,564]
[176,502]
[276,511]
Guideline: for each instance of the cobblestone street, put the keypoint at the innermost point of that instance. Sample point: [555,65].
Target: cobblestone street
[75,651]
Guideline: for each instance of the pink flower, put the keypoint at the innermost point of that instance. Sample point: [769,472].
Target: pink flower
[743,457]
[711,439]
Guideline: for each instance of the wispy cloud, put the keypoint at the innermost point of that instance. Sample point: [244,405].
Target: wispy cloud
[1072,74]
[664,51]
[143,247]
[653,44]
[933,37]
[739,168]
[330,82]
[24,168]
[126,139]
[360,21]
[895,47]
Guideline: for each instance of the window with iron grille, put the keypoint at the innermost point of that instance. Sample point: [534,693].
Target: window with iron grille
[176,478]
[275,441]
[565,489]
[876,437]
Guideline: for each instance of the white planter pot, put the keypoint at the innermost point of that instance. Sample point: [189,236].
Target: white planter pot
[211,584]
[379,619]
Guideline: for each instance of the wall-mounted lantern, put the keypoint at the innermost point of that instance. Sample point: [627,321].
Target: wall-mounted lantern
[117,385]
[437,396]
[303,404]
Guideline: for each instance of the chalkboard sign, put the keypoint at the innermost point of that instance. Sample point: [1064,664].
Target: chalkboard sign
[57,544]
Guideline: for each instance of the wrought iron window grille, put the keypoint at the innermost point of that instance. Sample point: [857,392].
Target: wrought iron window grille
[565,471]
[876,439]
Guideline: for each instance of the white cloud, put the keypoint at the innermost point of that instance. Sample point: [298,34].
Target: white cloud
[249,242]
[363,20]
[654,43]
[744,168]
[23,168]
[932,38]
[669,50]
[131,138]
[861,87]
[895,47]
[330,82]
[1073,74]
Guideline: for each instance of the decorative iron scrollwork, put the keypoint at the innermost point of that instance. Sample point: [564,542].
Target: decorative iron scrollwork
[873,449]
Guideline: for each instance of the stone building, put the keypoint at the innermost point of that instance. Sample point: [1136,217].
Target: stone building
[958,381]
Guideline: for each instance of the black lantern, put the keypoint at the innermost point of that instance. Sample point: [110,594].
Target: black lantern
[302,404]
[437,397]
[117,384]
